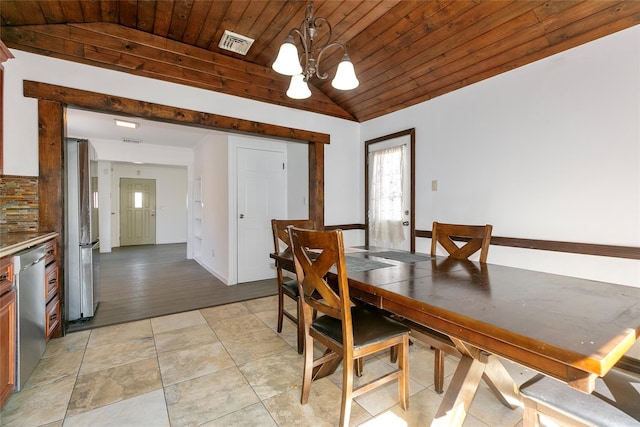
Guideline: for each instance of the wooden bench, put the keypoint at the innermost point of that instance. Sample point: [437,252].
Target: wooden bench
[615,401]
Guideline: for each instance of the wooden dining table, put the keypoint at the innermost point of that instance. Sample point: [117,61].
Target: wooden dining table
[572,329]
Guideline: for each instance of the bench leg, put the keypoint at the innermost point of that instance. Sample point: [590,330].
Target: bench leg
[530,415]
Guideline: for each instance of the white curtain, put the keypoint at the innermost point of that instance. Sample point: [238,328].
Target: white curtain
[385,199]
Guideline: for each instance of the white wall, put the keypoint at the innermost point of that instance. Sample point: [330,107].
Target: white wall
[547,151]
[117,151]
[210,166]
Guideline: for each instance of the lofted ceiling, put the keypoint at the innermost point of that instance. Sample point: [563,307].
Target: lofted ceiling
[404,52]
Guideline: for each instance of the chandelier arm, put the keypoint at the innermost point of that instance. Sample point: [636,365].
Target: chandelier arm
[320,22]
[300,32]
[321,52]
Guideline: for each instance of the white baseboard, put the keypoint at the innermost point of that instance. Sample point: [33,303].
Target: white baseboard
[213,273]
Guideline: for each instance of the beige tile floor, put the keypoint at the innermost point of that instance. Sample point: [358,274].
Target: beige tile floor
[220,366]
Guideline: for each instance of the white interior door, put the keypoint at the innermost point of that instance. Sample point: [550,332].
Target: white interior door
[261,196]
[389,192]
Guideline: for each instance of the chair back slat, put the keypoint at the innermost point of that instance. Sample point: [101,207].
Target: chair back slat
[314,254]
[475,237]
[281,234]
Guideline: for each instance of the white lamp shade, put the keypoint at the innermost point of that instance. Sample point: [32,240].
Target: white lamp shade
[298,88]
[287,61]
[345,78]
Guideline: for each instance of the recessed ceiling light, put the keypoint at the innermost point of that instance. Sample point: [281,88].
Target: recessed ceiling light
[126,124]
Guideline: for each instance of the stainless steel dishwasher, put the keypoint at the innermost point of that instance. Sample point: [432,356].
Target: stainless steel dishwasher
[31,335]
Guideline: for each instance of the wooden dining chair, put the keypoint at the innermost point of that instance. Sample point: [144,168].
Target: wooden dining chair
[615,402]
[472,238]
[288,286]
[349,332]
[460,241]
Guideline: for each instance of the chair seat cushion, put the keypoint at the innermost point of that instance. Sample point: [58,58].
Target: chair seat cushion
[614,402]
[370,326]
[290,287]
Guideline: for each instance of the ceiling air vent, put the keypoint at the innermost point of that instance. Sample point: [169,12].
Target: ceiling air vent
[131,140]
[235,42]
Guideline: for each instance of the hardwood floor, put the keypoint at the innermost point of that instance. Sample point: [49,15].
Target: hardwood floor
[140,282]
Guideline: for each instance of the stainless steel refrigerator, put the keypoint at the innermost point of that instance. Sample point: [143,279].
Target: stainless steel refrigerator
[82,239]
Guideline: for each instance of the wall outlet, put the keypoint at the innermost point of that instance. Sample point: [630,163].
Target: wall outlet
[434,185]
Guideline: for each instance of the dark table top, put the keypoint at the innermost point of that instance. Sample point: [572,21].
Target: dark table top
[549,322]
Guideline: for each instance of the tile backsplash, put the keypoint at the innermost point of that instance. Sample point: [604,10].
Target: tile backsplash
[18,203]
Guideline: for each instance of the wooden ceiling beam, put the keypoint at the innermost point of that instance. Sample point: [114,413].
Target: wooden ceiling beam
[146,110]
[165,60]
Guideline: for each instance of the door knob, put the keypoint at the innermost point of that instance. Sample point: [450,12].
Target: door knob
[241,216]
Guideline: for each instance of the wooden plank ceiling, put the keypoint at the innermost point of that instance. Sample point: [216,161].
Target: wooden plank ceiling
[404,52]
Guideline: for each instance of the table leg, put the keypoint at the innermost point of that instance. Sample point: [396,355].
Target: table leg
[501,383]
[459,394]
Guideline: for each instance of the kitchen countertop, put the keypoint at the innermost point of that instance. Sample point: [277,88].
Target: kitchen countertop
[12,242]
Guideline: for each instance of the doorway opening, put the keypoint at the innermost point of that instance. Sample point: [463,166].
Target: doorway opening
[52,105]
[390,191]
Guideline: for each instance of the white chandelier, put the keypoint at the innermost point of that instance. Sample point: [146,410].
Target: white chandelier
[289,61]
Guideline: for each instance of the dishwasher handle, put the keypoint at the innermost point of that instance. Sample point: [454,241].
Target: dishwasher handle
[36,261]
[28,258]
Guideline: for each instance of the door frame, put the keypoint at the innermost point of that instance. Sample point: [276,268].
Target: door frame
[412,215]
[53,100]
